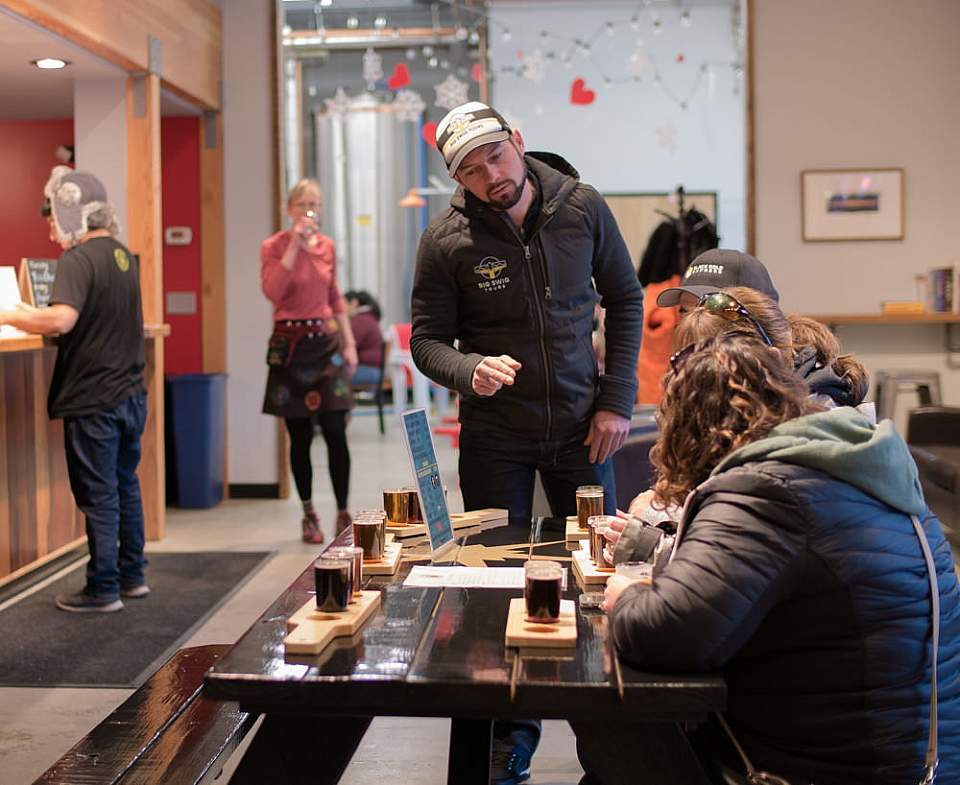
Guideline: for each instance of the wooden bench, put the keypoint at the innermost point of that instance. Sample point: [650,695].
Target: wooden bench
[166,732]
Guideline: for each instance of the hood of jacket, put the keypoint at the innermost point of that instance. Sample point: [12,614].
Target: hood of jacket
[557,178]
[846,445]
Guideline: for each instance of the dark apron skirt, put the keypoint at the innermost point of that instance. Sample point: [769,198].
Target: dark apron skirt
[312,379]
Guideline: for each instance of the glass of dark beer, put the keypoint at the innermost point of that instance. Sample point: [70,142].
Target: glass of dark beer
[589,503]
[379,515]
[541,590]
[368,534]
[355,555]
[396,503]
[332,578]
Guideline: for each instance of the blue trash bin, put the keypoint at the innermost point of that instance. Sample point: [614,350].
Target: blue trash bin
[195,420]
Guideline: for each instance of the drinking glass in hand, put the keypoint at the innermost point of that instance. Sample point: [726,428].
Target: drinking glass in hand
[332,578]
[598,525]
[396,502]
[368,534]
[589,503]
[636,571]
[541,590]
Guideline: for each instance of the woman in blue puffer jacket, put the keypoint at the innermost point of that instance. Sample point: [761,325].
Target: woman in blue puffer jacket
[798,574]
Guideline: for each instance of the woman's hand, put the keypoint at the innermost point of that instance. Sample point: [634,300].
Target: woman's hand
[301,231]
[350,360]
[615,586]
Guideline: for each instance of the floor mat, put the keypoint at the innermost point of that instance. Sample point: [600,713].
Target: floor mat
[42,646]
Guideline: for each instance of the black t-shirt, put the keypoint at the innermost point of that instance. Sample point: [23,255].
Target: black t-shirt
[100,361]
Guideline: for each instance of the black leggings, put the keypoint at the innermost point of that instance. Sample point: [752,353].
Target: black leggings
[333,425]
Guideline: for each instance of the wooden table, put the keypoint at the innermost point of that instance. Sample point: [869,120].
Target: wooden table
[440,653]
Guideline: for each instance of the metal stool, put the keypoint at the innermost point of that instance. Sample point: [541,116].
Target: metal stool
[888,383]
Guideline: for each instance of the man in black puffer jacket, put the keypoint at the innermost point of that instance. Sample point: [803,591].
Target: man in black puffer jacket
[508,272]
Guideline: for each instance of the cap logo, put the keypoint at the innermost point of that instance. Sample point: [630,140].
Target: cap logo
[459,123]
[709,269]
[69,194]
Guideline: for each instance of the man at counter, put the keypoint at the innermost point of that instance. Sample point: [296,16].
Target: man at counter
[97,386]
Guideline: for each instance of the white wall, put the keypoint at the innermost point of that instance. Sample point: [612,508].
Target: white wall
[248,192]
[860,83]
[100,137]
[614,141]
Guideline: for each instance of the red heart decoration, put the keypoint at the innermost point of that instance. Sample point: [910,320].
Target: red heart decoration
[429,133]
[400,77]
[579,94]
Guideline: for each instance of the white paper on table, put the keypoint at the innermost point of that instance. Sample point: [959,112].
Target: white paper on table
[9,299]
[422,576]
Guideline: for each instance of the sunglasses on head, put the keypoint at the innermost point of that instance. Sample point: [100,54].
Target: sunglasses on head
[728,307]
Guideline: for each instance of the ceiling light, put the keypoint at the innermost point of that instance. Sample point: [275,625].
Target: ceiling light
[50,63]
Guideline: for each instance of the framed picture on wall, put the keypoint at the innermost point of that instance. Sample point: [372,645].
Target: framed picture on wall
[852,204]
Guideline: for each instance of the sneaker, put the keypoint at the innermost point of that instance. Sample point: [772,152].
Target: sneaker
[311,528]
[509,762]
[135,592]
[81,602]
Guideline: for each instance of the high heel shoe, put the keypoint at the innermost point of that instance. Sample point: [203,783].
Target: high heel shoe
[311,529]
[343,520]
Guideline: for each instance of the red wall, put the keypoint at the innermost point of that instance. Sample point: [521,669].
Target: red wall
[180,173]
[26,158]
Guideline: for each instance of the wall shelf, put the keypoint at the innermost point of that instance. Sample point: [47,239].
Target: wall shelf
[882,318]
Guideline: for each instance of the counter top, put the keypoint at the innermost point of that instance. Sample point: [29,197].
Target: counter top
[29,343]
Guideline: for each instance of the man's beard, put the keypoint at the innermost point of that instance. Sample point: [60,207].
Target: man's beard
[512,196]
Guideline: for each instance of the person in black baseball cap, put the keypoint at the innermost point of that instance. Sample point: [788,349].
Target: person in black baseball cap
[714,270]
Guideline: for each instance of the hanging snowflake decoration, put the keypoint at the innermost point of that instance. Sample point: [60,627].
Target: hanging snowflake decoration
[339,105]
[534,66]
[451,92]
[372,68]
[408,105]
[667,137]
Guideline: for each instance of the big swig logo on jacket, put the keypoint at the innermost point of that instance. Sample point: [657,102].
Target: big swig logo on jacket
[489,270]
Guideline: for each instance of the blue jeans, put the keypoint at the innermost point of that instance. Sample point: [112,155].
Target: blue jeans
[498,470]
[103,450]
[366,374]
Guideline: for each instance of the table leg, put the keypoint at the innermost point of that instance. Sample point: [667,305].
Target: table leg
[655,753]
[469,761]
[300,750]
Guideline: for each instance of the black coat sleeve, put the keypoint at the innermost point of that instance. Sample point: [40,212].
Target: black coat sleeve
[730,569]
[622,297]
[434,309]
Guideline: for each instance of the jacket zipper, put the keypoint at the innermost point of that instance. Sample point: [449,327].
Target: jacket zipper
[541,323]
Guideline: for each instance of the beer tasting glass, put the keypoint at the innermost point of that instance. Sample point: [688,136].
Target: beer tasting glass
[396,503]
[355,555]
[332,579]
[589,503]
[541,590]
[635,570]
[598,524]
[368,534]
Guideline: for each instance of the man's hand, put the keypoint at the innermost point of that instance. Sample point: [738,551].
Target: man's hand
[608,432]
[492,373]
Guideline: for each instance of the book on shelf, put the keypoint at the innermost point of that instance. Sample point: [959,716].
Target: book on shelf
[902,308]
[941,289]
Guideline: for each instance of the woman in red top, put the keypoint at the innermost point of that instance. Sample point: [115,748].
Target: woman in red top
[312,353]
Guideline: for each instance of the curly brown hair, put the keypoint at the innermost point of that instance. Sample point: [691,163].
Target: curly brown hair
[810,332]
[726,392]
[699,324]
